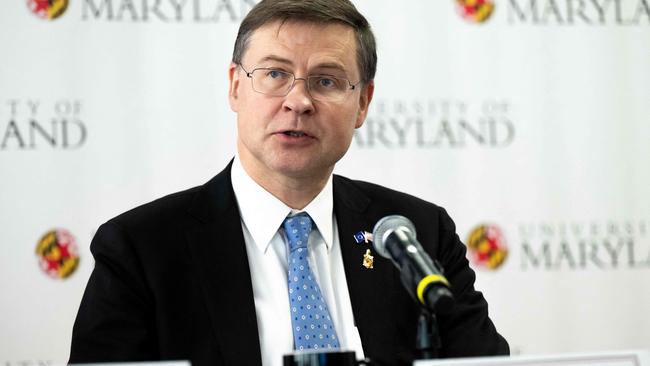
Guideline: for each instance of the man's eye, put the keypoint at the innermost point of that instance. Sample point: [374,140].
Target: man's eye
[275,74]
[327,82]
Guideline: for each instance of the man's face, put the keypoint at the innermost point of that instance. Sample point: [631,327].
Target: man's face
[296,136]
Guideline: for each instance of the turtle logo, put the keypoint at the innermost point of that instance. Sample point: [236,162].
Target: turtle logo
[48,9]
[487,246]
[477,11]
[57,253]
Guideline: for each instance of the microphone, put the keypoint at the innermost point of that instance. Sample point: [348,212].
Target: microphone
[394,238]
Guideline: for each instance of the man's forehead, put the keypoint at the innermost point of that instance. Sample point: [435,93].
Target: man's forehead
[325,44]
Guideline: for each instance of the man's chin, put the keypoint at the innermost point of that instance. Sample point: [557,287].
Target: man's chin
[303,170]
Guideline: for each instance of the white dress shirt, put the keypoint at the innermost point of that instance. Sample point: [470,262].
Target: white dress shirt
[262,215]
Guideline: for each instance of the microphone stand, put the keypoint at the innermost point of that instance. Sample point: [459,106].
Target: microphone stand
[428,344]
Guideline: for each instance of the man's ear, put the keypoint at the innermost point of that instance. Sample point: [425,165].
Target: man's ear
[365,97]
[233,87]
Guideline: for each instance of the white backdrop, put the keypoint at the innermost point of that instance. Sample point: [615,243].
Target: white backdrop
[535,121]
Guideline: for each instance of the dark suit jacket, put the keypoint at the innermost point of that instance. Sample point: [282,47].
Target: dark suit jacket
[172,281]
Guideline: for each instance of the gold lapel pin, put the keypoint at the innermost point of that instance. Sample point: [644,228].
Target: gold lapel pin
[368,259]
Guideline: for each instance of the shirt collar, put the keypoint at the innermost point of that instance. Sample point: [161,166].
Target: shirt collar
[263,214]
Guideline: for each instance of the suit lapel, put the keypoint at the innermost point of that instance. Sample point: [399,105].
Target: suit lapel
[216,243]
[369,288]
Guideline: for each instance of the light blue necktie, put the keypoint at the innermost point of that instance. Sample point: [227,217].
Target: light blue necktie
[311,322]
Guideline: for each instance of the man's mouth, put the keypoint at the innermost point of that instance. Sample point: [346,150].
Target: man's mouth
[295,134]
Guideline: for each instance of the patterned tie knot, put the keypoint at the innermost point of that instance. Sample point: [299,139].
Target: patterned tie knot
[297,229]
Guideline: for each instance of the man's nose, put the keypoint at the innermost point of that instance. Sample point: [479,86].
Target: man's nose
[298,99]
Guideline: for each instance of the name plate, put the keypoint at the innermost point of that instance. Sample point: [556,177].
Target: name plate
[146,363]
[617,358]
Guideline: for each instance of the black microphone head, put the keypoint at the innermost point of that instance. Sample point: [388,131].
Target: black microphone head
[385,227]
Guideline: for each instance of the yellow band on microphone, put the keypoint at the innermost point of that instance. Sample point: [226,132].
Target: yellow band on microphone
[426,281]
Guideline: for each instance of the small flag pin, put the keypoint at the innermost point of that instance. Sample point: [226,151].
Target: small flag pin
[363,237]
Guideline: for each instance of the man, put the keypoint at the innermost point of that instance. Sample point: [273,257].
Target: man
[212,274]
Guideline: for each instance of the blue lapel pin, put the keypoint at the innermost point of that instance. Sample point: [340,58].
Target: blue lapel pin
[363,237]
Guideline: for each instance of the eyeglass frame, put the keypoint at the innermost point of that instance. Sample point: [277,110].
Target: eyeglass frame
[306,80]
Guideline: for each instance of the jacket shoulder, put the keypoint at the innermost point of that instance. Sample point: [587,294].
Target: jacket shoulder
[376,201]
[159,210]
[384,196]
[201,202]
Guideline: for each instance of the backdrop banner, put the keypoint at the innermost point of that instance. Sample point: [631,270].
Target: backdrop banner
[528,120]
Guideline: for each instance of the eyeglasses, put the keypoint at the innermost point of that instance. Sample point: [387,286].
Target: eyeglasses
[278,83]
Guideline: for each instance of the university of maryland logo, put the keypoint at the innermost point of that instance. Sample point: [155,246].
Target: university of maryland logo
[47,9]
[57,253]
[487,246]
[477,11]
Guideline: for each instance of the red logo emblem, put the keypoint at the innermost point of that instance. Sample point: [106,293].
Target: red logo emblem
[487,246]
[57,253]
[47,9]
[477,11]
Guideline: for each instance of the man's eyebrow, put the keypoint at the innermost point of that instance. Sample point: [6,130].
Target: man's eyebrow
[323,66]
[330,65]
[276,59]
